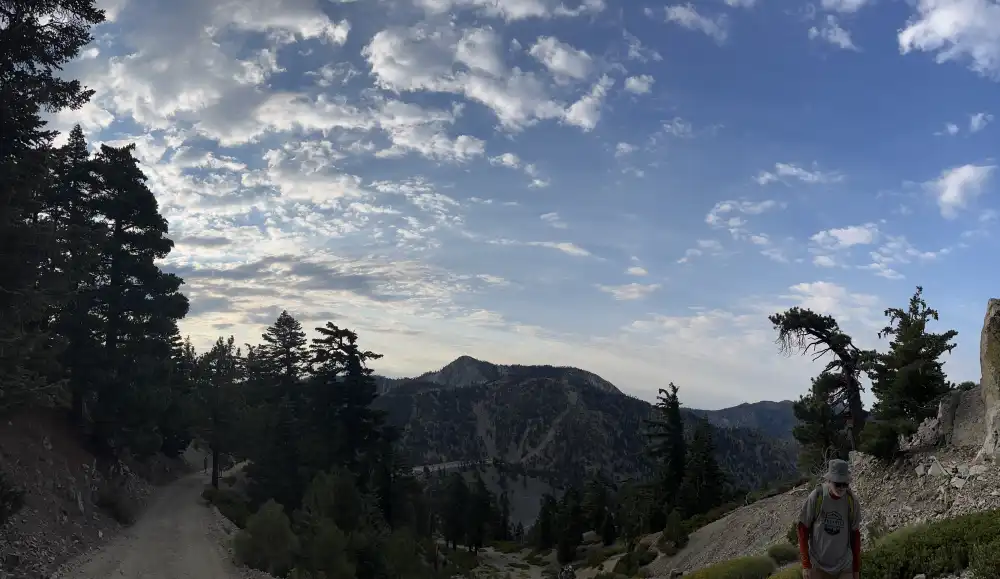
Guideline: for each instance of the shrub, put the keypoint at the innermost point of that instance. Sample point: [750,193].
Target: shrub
[233,507]
[209,494]
[11,499]
[743,568]
[938,548]
[783,553]
[267,543]
[115,501]
[881,439]
[984,561]
[793,572]
[793,534]
[630,563]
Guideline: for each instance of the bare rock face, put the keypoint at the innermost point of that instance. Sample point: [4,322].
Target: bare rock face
[989,361]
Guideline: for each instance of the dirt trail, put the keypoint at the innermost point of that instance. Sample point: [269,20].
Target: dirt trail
[174,539]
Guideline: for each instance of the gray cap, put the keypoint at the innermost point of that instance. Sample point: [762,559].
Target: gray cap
[839,471]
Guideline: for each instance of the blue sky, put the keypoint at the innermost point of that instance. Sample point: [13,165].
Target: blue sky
[627,187]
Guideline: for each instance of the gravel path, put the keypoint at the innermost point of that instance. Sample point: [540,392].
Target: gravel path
[176,538]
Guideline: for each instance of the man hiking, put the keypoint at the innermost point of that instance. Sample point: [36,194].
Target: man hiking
[830,528]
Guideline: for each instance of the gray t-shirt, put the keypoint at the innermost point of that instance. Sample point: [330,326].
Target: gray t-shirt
[829,536]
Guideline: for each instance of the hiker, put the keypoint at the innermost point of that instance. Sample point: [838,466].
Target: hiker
[830,528]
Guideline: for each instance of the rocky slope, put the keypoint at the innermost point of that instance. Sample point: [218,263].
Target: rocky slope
[559,423]
[950,468]
[69,494]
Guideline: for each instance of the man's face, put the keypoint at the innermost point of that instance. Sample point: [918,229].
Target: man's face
[838,489]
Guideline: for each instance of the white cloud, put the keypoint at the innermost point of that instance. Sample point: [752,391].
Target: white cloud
[790,171]
[741,3]
[623,149]
[957,186]
[956,30]
[845,237]
[637,271]
[843,5]
[512,10]
[586,112]
[687,16]
[978,121]
[423,59]
[950,129]
[824,261]
[630,291]
[831,32]
[509,160]
[641,84]
[636,50]
[562,60]
[553,220]
[718,215]
[563,246]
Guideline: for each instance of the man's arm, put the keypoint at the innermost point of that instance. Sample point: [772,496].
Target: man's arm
[804,546]
[806,515]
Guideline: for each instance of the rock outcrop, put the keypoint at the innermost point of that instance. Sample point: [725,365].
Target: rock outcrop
[989,361]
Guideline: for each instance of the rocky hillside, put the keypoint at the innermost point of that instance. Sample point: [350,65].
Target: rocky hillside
[556,422]
[774,419]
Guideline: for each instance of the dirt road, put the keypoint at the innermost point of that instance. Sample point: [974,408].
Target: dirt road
[176,538]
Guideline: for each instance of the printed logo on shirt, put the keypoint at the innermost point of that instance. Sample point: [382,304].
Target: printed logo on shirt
[833,523]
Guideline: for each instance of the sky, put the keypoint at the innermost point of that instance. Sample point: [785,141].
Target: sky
[628,187]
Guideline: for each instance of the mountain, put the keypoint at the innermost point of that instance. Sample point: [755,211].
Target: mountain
[553,422]
[467,371]
[774,419]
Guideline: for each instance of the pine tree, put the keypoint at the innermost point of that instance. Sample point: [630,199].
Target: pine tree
[804,331]
[38,38]
[221,375]
[704,482]
[909,379]
[456,505]
[141,304]
[285,353]
[820,431]
[545,526]
[668,449]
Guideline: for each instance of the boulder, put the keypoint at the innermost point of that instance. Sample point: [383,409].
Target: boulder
[989,362]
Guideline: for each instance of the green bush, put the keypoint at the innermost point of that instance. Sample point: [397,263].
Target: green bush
[267,543]
[230,504]
[630,563]
[783,553]
[793,572]
[209,494]
[743,568]
[793,534]
[937,548]
[881,439]
[984,561]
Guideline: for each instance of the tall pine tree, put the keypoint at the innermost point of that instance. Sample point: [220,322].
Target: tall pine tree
[668,450]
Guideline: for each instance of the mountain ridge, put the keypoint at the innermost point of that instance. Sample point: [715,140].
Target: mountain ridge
[563,422]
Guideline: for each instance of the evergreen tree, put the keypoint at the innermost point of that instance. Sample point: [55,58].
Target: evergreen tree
[820,430]
[596,502]
[668,450]
[703,483]
[456,505]
[141,304]
[285,353]
[220,377]
[503,524]
[909,379]
[545,526]
[609,531]
[804,331]
[38,38]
